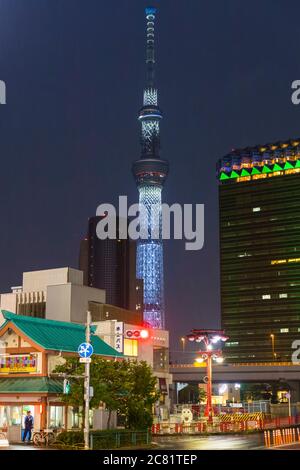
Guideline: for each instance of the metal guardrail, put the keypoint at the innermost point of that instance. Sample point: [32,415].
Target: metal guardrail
[241,364]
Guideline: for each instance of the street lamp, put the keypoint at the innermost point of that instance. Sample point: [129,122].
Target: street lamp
[182,340]
[209,338]
[272,336]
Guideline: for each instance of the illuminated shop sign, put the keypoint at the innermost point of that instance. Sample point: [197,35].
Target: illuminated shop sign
[18,364]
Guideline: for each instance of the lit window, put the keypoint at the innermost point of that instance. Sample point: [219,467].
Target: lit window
[283,296]
[130,347]
[256,209]
[266,296]
[284,330]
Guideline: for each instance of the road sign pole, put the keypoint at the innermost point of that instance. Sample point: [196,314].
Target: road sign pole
[87,386]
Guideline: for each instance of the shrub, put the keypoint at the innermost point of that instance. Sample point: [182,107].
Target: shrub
[70,438]
[106,439]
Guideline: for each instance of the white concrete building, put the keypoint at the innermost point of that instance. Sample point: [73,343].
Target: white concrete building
[153,348]
[55,294]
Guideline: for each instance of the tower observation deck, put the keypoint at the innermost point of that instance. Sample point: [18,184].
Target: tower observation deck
[150,172]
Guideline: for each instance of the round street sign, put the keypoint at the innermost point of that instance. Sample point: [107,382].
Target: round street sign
[85,350]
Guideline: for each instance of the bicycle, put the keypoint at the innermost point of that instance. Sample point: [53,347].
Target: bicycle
[44,437]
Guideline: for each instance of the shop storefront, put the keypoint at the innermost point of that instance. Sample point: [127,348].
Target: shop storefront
[30,348]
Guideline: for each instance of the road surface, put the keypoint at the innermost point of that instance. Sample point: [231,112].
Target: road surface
[229,442]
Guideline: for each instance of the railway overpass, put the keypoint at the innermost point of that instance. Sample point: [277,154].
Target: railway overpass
[242,373]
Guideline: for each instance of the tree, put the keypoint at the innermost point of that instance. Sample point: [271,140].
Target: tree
[128,388]
[192,394]
[143,394]
[256,392]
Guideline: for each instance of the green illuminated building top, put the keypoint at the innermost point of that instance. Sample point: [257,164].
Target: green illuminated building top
[263,161]
[260,251]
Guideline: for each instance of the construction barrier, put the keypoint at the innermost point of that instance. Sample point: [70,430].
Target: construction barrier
[279,437]
[155,428]
[238,417]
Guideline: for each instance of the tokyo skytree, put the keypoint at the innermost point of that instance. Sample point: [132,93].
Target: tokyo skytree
[150,173]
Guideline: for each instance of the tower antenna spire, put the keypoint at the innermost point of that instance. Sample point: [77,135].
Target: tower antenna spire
[150,45]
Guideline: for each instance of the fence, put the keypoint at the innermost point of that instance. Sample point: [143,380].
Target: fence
[114,440]
[227,423]
[261,406]
[280,422]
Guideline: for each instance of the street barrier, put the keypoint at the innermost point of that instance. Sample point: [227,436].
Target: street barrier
[231,423]
[239,417]
[279,437]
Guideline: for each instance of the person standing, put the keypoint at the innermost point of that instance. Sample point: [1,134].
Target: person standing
[28,426]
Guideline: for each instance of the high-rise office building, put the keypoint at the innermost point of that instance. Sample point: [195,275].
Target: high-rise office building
[111,265]
[259,197]
[150,173]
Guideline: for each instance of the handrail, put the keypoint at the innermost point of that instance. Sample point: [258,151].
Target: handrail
[241,364]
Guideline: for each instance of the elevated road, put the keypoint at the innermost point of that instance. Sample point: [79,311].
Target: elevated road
[231,373]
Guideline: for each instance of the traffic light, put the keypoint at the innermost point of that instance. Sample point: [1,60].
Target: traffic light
[137,334]
[67,387]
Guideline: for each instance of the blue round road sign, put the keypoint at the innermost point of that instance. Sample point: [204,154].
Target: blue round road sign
[85,350]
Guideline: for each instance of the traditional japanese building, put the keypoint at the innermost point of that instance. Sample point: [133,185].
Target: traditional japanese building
[30,349]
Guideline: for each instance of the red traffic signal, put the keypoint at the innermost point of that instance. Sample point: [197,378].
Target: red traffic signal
[137,334]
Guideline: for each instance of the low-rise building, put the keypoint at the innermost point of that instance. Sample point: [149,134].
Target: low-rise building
[59,295]
[143,344]
[30,349]
[55,294]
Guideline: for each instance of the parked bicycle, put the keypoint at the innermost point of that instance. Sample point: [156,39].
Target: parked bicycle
[45,437]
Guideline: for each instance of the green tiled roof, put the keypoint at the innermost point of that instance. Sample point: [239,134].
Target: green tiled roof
[57,335]
[31,385]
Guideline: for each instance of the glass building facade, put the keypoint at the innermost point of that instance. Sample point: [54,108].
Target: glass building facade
[259,198]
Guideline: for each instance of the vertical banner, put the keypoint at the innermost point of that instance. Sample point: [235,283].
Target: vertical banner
[119,336]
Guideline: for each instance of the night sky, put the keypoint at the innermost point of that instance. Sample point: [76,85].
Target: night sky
[74,71]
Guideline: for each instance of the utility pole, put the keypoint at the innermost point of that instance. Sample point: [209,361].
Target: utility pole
[87,386]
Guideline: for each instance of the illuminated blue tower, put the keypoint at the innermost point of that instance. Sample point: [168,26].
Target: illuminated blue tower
[150,173]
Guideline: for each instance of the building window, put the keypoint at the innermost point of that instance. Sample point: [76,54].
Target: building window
[130,347]
[283,296]
[160,359]
[56,416]
[256,209]
[266,296]
[75,421]
[284,330]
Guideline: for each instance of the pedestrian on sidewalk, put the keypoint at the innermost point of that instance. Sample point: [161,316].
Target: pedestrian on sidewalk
[28,426]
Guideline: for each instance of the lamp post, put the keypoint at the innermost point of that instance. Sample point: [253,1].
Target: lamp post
[182,340]
[209,338]
[272,336]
